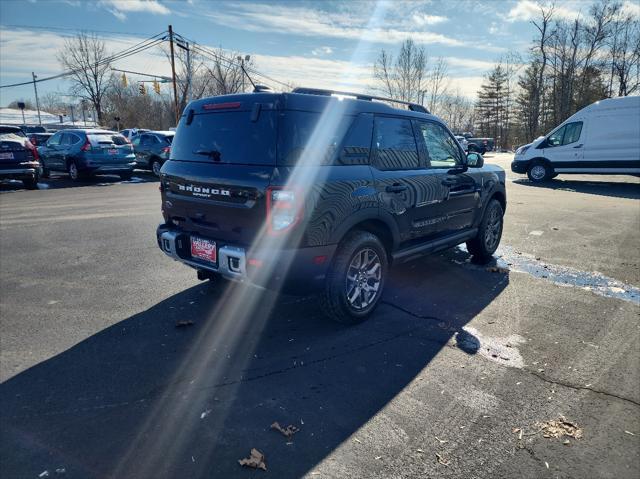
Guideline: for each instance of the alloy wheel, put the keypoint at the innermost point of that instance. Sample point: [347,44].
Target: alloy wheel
[493,229]
[364,276]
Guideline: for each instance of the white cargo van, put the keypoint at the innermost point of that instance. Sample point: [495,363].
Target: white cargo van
[602,138]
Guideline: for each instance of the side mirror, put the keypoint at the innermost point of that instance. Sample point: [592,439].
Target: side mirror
[475,160]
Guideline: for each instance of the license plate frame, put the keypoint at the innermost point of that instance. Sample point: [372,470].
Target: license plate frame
[112,151]
[204,249]
[7,155]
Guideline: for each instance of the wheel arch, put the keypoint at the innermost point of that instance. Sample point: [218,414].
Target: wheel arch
[384,228]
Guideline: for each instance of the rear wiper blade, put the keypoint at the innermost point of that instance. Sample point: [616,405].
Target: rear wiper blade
[215,154]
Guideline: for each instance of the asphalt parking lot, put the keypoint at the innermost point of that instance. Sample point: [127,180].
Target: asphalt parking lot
[457,374]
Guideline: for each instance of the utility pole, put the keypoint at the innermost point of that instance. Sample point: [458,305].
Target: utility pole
[173,74]
[35,89]
[73,121]
[188,72]
[84,116]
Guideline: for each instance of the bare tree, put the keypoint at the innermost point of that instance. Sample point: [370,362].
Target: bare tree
[86,56]
[436,84]
[405,78]
[543,27]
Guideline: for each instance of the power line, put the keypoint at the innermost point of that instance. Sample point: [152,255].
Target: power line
[127,52]
[217,56]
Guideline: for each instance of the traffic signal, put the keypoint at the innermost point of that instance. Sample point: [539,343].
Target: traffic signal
[124,80]
[156,86]
[142,89]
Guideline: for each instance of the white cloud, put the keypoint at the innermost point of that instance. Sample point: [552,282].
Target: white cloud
[320,51]
[631,8]
[120,8]
[315,23]
[526,10]
[422,19]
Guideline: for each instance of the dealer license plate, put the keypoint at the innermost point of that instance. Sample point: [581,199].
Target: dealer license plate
[204,249]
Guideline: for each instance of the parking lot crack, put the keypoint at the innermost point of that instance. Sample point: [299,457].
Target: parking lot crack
[582,388]
[410,313]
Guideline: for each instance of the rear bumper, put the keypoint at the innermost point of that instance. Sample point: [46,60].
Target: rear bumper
[108,169]
[295,271]
[18,173]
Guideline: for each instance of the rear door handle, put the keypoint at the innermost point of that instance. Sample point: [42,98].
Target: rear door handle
[579,146]
[395,188]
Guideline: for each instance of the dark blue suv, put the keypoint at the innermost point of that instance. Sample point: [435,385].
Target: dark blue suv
[85,152]
[317,190]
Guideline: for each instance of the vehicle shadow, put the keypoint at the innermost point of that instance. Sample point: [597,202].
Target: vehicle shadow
[618,189]
[133,401]
[58,181]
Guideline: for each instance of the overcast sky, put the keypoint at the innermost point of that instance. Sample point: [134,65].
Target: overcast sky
[318,44]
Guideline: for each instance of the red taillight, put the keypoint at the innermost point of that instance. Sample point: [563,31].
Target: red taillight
[34,150]
[86,146]
[221,106]
[166,149]
[284,209]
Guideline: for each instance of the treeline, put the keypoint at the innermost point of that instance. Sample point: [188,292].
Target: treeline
[571,64]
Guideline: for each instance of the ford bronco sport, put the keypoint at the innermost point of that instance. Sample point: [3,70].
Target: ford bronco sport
[317,190]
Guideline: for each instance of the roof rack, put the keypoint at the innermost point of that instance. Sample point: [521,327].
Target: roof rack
[359,96]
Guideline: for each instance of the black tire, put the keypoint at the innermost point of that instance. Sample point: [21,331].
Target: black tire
[487,240]
[540,171]
[351,250]
[125,176]
[155,167]
[31,183]
[74,172]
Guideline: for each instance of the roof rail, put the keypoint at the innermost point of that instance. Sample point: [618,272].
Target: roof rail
[359,96]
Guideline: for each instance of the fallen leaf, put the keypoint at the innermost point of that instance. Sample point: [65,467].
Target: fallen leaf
[287,432]
[378,458]
[182,324]
[255,460]
[442,460]
[560,427]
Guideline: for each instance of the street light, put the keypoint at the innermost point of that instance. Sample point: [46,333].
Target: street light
[242,60]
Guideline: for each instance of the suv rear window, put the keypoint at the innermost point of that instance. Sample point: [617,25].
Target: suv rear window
[228,137]
[107,138]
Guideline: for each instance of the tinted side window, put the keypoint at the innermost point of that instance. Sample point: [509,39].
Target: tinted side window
[395,144]
[357,143]
[442,149]
[145,140]
[55,139]
[303,136]
[572,132]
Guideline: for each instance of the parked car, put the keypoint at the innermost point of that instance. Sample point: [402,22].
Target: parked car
[83,152]
[131,133]
[310,192]
[480,145]
[18,157]
[152,149]
[39,138]
[28,129]
[602,138]
[463,142]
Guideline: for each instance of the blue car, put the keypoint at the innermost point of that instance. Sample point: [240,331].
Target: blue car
[85,152]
